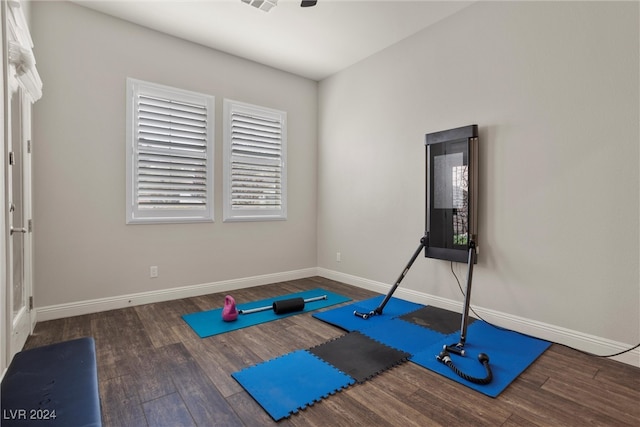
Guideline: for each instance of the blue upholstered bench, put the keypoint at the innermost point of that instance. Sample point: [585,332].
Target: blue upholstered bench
[54,385]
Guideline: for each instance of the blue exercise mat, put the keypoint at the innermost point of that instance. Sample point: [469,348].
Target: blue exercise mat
[344,318]
[209,323]
[403,335]
[510,353]
[286,384]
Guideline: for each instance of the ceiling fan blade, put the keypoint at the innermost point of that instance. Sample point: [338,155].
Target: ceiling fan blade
[308,3]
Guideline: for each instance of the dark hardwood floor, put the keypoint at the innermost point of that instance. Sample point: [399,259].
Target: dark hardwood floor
[155,371]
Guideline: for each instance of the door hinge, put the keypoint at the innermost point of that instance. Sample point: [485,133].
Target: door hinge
[28,146]
[30,303]
[30,225]
[11,159]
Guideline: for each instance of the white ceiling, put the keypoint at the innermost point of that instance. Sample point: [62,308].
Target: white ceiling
[313,42]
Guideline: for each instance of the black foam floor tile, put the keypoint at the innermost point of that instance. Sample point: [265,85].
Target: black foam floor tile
[359,356]
[437,319]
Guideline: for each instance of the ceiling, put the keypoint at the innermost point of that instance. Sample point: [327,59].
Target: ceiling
[312,42]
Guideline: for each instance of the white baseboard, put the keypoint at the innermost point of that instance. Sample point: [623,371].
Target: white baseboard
[78,308]
[545,331]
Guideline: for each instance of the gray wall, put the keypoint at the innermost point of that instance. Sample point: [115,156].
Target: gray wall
[553,87]
[83,249]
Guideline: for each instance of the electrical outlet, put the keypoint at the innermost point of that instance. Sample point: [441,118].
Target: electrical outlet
[153,271]
[338,256]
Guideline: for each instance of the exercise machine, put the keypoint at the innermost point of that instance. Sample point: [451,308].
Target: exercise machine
[451,224]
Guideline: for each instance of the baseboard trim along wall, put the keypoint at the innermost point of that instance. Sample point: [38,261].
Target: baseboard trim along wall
[78,308]
[575,339]
[557,334]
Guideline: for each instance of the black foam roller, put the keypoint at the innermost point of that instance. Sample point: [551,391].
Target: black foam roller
[288,305]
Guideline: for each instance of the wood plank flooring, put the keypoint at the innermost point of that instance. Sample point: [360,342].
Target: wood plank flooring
[155,371]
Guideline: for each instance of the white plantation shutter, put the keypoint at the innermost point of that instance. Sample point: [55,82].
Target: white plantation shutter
[170,158]
[255,163]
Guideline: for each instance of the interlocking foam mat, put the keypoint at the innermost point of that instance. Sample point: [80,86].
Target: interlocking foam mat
[286,384]
[403,335]
[292,382]
[359,356]
[437,319]
[343,317]
[510,353]
[209,323]
[403,325]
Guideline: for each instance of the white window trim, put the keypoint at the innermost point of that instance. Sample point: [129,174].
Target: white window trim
[230,213]
[135,215]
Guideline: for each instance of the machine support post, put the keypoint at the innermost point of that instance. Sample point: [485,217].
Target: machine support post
[401,277]
[444,355]
[378,310]
[467,296]
[459,347]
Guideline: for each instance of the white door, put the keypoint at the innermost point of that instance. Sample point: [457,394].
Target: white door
[18,198]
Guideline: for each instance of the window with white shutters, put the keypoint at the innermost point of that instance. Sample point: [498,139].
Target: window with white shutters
[170,134]
[255,174]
